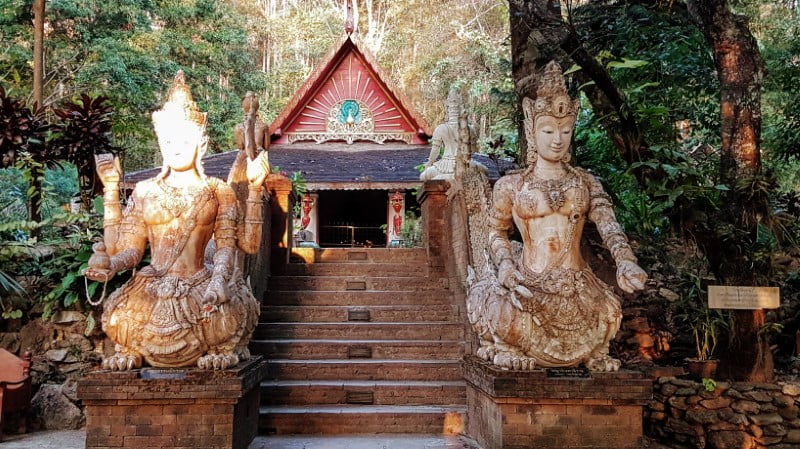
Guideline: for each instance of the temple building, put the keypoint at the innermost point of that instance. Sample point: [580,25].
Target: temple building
[356,141]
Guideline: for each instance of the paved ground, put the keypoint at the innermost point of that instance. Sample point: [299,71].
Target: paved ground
[53,439]
[75,439]
[359,442]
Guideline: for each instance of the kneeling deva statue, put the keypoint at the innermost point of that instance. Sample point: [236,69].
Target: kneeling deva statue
[543,306]
[190,306]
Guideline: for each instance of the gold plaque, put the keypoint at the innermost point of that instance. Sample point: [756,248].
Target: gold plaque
[740,297]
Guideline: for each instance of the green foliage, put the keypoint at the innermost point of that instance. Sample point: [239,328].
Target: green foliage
[709,384]
[23,133]
[128,51]
[83,132]
[57,263]
[411,230]
[705,324]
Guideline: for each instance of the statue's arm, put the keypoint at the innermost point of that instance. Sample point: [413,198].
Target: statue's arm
[131,238]
[500,223]
[249,231]
[601,212]
[630,277]
[225,232]
[436,147]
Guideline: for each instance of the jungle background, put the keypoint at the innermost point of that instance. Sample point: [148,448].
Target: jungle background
[672,199]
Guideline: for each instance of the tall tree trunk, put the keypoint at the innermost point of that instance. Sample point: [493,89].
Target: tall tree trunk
[37,172]
[38,51]
[523,63]
[740,70]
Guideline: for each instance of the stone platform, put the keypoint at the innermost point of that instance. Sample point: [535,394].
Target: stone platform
[157,408]
[543,409]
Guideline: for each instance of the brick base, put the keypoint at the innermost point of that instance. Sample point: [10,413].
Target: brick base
[205,409]
[516,410]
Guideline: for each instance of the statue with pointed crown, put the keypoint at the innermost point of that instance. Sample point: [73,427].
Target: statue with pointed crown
[190,306]
[444,142]
[539,304]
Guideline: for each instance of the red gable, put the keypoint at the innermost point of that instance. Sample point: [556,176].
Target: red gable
[348,98]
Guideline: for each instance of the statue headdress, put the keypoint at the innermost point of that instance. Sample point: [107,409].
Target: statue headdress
[552,99]
[180,110]
[180,106]
[453,104]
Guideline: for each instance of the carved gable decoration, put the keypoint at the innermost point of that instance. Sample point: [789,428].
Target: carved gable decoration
[348,98]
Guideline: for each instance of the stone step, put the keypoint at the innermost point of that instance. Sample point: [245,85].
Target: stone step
[378,441]
[358,255]
[361,331]
[365,369]
[354,298]
[357,283]
[350,349]
[392,313]
[329,392]
[412,268]
[354,419]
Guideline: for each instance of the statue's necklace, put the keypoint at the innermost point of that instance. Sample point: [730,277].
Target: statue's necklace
[554,190]
[175,199]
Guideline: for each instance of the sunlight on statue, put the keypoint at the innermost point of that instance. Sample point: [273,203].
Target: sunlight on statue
[540,305]
[190,306]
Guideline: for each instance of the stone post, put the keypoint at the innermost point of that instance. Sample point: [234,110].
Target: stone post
[280,191]
[433,200]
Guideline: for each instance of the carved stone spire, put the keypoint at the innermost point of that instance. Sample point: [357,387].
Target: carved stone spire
[350,21]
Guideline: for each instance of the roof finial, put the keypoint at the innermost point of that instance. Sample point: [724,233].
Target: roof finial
[349,21]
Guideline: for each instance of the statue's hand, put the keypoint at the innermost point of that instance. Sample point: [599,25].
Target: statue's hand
[510,278]
[258,169]
[630,276]
[216,292]
[99,264]
[109,169]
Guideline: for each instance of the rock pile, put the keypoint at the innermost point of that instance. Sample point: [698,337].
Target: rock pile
[62,352]
[733,415]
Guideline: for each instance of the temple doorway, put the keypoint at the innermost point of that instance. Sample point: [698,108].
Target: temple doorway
[352,218]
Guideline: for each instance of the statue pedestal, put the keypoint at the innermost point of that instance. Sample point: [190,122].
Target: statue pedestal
[153,407]
[541,409]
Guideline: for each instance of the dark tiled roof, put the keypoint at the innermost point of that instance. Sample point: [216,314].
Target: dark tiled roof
[338,163]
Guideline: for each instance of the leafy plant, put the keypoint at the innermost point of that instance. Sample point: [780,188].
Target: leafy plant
[411,230]
[709,384]
[84,131]
[706,324]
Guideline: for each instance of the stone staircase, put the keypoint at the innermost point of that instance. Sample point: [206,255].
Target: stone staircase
[360,341]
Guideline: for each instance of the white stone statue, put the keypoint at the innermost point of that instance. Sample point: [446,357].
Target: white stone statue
[541,305]
[444,142]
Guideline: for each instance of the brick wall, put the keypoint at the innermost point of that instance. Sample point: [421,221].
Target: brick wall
[205,409]
[445,237]
[515,410]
